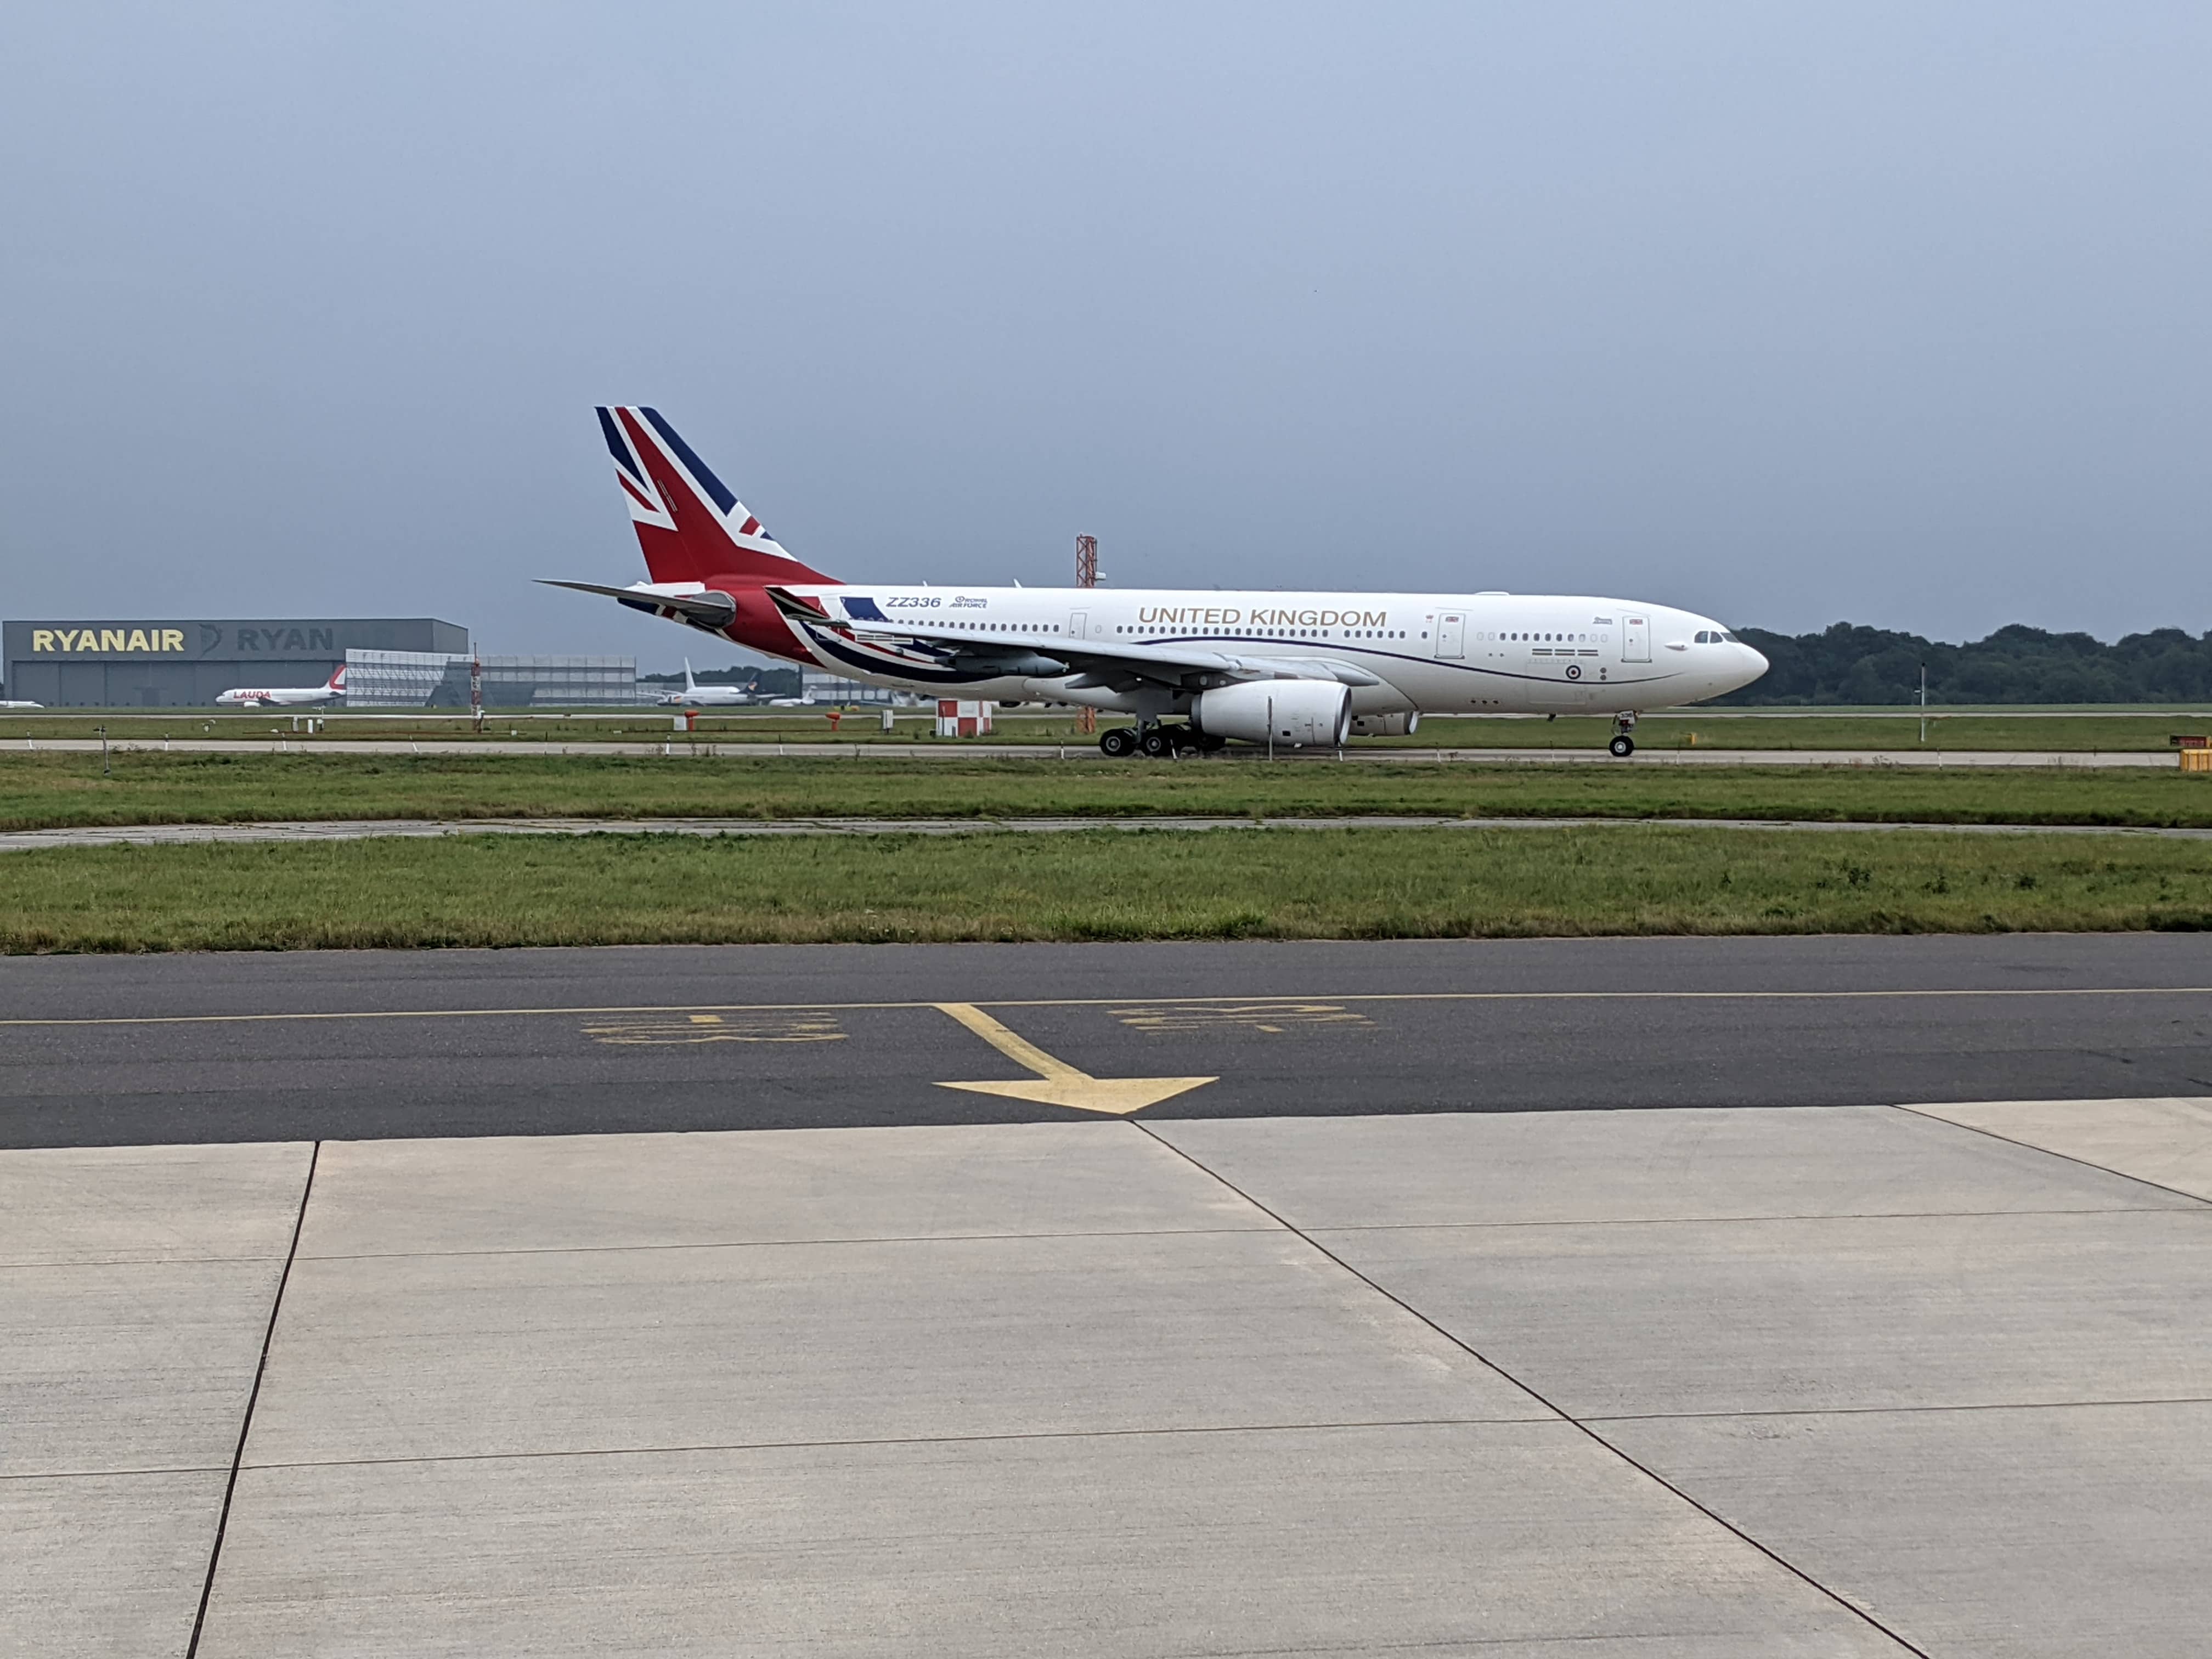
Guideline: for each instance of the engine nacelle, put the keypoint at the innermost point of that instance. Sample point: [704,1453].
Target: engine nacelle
[1403,724]
[1300,712]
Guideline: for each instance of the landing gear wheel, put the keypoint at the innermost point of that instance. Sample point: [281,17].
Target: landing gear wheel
[1623,746]
[1117,742]
[1157,744]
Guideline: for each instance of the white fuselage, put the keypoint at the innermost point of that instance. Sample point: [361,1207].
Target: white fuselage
[1429,654]
[707,696]
[285,696]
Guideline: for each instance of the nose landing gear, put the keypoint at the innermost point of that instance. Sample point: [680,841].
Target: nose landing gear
[1622,744]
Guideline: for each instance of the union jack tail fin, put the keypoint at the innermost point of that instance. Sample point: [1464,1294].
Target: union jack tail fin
[690,526]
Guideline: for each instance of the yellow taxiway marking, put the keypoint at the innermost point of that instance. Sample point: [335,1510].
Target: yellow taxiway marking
[1109,1002]
[1057,1082]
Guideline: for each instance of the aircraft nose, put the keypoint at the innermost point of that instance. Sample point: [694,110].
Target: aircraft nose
[1754,663]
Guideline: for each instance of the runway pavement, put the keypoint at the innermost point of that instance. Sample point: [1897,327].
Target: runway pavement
[1671,1384]
[1312,1309]
[113,1051]
[685,747]
[312,829]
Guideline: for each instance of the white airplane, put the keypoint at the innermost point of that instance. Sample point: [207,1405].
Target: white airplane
[12,703]
[285,696]
[697,695]
[1294,669]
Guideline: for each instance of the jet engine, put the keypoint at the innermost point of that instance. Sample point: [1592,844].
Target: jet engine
[1300,712]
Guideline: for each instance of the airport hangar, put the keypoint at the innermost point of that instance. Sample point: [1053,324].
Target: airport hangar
[164,663]
[391,662]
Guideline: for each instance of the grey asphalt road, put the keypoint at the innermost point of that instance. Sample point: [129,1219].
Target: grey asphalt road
[168,835]
[125,1050]
[705,748]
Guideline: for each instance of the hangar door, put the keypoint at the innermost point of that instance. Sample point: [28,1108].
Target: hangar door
[1636,639]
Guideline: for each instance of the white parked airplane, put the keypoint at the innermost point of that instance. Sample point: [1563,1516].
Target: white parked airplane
[286,696]
[696,696]
[1289,668]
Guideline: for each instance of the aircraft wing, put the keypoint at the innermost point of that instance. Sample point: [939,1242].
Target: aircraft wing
[1095,662]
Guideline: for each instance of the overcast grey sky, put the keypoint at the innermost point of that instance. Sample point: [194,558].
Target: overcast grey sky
[1785,312]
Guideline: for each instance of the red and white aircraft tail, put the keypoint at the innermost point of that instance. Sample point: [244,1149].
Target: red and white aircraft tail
[690,526]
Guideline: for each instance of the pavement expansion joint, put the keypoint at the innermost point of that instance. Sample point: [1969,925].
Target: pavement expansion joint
[252,1398]
[1933,1112]
[1165,1432]
[113,1474]
[1934,1408]
[787,1243]
[1560,1411]
[1735,1220]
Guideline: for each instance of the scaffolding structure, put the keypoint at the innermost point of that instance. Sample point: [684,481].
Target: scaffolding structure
[1086,576]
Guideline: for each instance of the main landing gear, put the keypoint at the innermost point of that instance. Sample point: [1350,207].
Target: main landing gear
[1623,745]
[1155,742]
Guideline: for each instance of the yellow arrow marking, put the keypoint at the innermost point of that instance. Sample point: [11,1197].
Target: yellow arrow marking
[1057,1082]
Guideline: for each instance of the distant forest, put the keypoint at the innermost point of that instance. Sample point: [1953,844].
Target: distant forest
[1846,664]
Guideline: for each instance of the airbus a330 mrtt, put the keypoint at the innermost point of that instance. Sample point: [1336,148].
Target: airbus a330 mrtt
[1194,669]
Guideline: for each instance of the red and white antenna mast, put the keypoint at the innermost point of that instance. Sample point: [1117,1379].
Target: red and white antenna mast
[1086,576]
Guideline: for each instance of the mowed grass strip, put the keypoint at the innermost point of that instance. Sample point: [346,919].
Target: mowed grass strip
[1707,728]
[1103,885]
[55,790]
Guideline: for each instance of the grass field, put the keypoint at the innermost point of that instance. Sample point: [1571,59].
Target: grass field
[1346,884]
[47,789]
[1705,728]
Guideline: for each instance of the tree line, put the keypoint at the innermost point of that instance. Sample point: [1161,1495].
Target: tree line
[1847,664]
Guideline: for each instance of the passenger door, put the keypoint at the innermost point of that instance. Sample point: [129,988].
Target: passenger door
[1636,639]
[1079,624]
[1451,635]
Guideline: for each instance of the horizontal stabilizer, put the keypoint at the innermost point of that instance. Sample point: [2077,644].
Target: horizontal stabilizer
[687,601]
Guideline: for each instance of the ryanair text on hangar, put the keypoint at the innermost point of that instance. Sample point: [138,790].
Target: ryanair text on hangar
[107,639]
